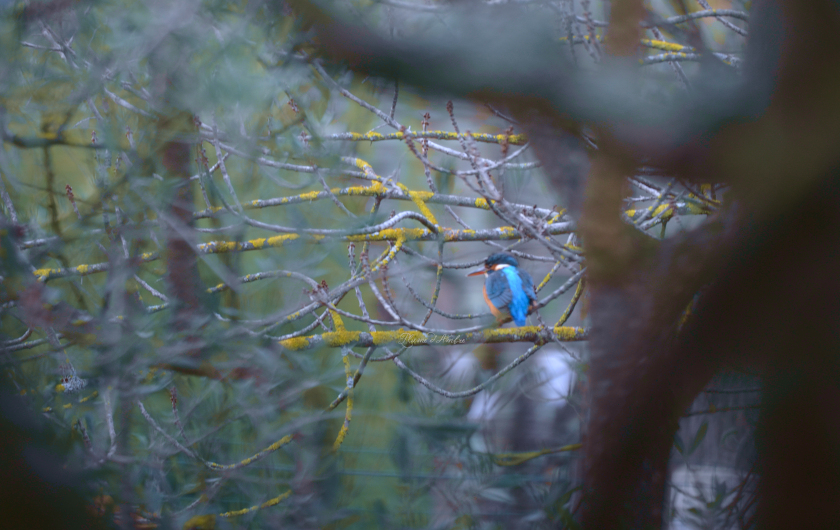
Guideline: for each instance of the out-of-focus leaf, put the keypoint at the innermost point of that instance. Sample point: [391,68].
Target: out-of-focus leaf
[678,443]
[698,437]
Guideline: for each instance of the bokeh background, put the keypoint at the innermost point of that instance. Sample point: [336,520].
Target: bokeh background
[190,190]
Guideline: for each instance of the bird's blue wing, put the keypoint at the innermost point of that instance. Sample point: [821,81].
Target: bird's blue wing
[528,286]
[498,290]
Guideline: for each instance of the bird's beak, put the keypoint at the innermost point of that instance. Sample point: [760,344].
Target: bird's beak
[477,272]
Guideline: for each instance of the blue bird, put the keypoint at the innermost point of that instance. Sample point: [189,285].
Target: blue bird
[507,287]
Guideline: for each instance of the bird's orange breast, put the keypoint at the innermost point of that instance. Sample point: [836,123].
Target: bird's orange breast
[493,309]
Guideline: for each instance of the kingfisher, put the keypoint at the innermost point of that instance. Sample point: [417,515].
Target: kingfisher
[507,288]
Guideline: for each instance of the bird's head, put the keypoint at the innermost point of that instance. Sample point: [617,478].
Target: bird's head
[495,262]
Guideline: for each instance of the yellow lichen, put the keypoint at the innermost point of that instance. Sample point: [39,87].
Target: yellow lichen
[663,45]
[295,343]
[659,209]
[457,235]
[309,196]
[266,504]
[392,234]
[218,246]
[419,197]
[339,324]
[43,273]
[279,443]
[277,241]
[400,335]
[340,338]
[569,332]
